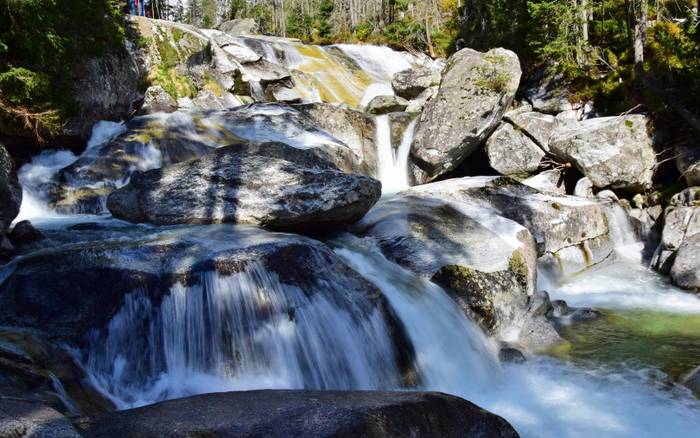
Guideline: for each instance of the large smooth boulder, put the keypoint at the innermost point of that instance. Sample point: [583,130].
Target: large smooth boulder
[269,184]
[10,195]
[31,367]
[511,152]
[238,27]
[410,83]
[612,152]
[303,413]
[681,221]
[416,105]
[26,419]
[340,135]
[78,281]
[539,127]
[156,99]
[571,233]
[685,271]
[476,89]
[486,262]
[353,128]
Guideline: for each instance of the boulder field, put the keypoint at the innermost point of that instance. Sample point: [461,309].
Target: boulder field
[233,186]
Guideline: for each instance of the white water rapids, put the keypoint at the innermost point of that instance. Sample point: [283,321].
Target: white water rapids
[252,331]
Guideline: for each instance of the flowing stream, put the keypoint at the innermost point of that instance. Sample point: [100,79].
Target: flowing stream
[252,331]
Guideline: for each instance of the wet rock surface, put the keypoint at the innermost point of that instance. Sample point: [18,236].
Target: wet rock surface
[10,192]
[79,280]
[303,413]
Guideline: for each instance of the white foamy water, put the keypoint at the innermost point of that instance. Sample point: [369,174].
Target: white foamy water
[33,176]
[393,162]
[625,284]
[240,332]
[104,131]
[541,398]
[380,62]
[247,331]
[622,285]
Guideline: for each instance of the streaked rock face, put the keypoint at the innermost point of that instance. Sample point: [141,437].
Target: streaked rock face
[10,198]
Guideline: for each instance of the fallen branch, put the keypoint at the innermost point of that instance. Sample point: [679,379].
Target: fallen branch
[34,122]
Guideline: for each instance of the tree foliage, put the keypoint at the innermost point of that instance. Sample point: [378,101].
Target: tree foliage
[41,44]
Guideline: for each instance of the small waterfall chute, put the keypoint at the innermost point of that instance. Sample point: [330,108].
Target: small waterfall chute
[392,163]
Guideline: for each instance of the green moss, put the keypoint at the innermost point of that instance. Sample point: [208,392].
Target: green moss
[212,85]
[172,82]
[492,79]
[518,267]
[40,52]
[169,55]
[143,42]
[177,34]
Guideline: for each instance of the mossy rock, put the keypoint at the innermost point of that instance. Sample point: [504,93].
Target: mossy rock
[490,298]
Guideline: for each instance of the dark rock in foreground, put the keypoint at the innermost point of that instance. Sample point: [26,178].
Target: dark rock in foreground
[303,413]
[269,184]
[69,288]
[10,198]
[24,419]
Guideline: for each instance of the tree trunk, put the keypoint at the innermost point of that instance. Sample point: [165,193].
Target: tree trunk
[585,12]
[431,50]
[640,36]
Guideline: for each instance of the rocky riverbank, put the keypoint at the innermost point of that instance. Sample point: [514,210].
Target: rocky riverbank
[242,221]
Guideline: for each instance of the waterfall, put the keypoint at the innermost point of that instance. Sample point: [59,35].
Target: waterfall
[446,341]
[34,176]
[241,332]
[627,246]
[326,73]
[393,163]
[252,331]
[380,62]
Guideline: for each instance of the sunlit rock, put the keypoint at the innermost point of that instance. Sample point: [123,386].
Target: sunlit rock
[386,104]
[269,184]
[511,152]
[476,90]
[612,152]
[410,83]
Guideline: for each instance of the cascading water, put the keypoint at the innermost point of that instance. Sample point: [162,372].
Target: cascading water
[36,175]
[250,331]
[627,246]
[241,332]
[326,73]
[393,162]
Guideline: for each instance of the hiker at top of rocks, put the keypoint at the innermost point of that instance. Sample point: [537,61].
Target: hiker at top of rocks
[136,7]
